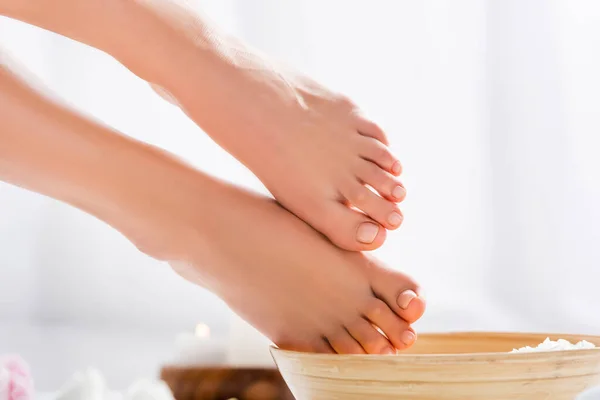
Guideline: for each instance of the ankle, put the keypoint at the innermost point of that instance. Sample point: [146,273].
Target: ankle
[159,203]
[164,42]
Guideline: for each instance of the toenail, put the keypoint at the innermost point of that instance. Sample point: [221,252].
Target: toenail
[397,167]
[367,232]
[399,192]
[395,219]
[408,338]
[405,298]
[388,351]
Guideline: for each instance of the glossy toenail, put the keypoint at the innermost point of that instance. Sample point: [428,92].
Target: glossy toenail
[388,351]
[397,167]
[367,232]
[395,219]
[399,192]
[405,298]
[408,338]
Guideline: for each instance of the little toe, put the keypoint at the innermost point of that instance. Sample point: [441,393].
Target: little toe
[397,330]
[376,152]
[401,293]
[383,182]
[350,229]
[376,207]
[343,343]
[372,341]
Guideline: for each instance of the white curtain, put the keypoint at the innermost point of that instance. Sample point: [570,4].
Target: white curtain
[493,107]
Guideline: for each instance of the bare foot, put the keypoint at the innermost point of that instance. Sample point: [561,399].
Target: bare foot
[311,147]
[281,275]
[272,268]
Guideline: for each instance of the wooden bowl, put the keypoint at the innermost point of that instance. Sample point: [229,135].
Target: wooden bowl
[223,383]
[452,366]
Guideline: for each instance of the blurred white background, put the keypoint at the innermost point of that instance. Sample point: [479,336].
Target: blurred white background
[493,107]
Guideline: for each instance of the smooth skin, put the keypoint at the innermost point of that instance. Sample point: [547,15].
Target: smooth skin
[272,268]
[312,148]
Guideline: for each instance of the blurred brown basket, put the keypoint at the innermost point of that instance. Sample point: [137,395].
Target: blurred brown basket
[223,383]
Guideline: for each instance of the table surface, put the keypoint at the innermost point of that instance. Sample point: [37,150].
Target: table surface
[593,394]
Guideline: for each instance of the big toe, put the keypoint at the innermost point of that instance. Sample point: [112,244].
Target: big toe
[400,292]
[350,229]
[411,306]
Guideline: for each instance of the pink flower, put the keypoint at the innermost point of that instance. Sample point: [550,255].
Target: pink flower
[15,380]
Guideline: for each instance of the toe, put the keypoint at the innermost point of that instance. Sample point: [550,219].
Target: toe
[305,343]
[379,209]
[402,294]
[368,128]
[367,232]
[411,304]
[383,182]
[372,341]
[376,152]
[343,343]
[322,346]
[302,344]
[350,229]
[397,330]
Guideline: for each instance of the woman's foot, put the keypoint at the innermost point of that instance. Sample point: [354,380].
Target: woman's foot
[271,267]
[276,271]
[311,147]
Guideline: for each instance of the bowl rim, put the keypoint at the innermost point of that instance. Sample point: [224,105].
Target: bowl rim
[454,356]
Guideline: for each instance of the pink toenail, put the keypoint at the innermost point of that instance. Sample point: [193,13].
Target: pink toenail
[399,192]
[395,219]
[408,338]
[405,298]
[389,351]
[397,167]
[367,232]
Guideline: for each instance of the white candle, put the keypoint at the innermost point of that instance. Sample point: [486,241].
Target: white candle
[247,347]
[199,349]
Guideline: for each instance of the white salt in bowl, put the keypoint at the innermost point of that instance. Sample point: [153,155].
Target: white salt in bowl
[449,366]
